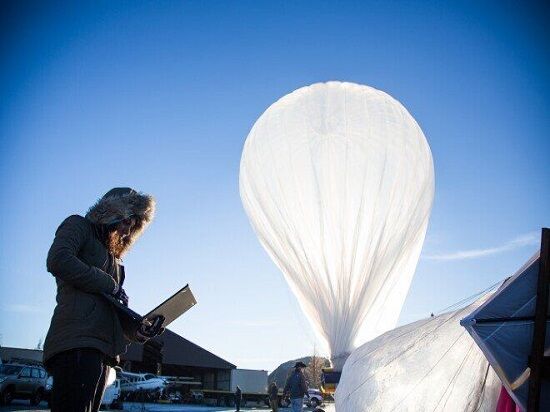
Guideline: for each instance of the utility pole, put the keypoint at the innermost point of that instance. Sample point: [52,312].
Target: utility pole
[314,367]
[537,352]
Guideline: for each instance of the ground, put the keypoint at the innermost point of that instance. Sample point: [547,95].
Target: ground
[150,407]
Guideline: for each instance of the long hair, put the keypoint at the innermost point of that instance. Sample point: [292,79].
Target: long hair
[113,242]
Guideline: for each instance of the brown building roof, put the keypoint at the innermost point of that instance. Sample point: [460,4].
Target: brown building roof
[7,353]
[180,351]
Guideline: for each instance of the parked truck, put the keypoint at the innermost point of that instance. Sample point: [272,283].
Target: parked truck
[253,384]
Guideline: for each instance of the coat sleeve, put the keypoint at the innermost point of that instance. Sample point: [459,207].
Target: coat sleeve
[287,385]
[130,328]
[63,261]
[304,384]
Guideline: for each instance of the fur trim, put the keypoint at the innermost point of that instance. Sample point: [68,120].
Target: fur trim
[115,207]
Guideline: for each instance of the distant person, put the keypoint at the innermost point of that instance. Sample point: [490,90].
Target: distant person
[296,387]
[273,393]
[86,336]
[238,398]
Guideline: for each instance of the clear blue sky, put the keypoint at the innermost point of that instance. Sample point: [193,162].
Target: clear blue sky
[161,95]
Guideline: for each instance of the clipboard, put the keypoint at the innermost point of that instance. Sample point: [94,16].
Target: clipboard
[172,308]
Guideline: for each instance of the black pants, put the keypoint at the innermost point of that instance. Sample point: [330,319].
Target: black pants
[79,378]
[238,404]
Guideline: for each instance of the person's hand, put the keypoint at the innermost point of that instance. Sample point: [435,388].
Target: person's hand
[150,328]
[120,294]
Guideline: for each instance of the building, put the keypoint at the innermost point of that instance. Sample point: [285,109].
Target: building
[8,354]
[172,355]
[168,354]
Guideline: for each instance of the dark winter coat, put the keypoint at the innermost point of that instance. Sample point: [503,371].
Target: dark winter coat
[273,392]
[83,269]
[296,385]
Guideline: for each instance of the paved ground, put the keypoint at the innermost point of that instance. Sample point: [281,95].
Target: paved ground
[24,406]
[150,407]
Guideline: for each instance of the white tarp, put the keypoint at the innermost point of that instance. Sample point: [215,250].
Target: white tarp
[337,180]
[507,344]
[428,365]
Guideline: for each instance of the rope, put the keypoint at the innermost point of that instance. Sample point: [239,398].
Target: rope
[470,298]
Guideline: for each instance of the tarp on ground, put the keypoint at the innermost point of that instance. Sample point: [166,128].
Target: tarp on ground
[507,344]
[429,365]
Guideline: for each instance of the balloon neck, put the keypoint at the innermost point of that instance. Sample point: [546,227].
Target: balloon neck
[338,361]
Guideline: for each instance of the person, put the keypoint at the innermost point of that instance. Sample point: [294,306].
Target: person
[273,397]
[238,398]
[296,387]
[86,336]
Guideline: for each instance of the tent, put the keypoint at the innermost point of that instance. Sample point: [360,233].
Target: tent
[503,328]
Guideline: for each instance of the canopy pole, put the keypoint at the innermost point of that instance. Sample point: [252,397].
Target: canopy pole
[469,321]
[539,333]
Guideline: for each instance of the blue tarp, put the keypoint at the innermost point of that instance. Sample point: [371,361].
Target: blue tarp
[507,344]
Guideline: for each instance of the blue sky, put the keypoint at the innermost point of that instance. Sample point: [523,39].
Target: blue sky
[161,95]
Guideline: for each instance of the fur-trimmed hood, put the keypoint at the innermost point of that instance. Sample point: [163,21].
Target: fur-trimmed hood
[121,203]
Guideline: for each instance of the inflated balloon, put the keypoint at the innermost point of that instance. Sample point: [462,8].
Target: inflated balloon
[428,365]
[337,180]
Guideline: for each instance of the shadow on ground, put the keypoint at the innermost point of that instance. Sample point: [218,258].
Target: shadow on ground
[150,407]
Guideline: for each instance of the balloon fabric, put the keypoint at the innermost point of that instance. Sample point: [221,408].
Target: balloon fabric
[428,365]
[338,182]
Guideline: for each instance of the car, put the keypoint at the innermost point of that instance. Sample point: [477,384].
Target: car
[48,391]
[21,381]
[315,398]
[112,396]
[197,397]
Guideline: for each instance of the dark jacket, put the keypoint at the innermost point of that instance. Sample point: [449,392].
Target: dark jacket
[296,385]
[273,392]
[83,269]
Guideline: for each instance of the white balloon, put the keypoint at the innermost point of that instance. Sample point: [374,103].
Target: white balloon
[428,365]
[337,180]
